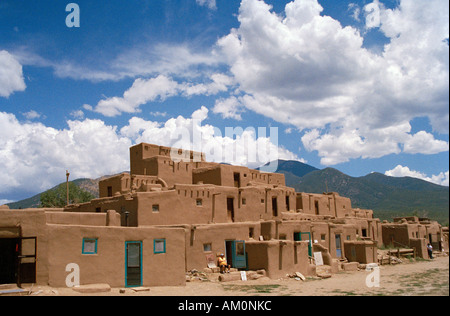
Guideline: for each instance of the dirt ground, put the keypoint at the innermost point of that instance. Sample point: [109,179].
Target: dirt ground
[410,278]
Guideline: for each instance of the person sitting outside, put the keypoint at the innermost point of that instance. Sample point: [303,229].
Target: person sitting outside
[430,251]
[223,265]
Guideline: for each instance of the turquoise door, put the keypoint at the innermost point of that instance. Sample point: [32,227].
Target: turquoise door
[238,257]
[133,263]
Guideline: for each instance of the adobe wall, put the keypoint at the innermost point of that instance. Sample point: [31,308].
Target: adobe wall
[420,244]
[330,204]
[315,204]
[121,204]
[28,223]
[224,175]
[434,231]
[139,153]
[361,213]
[125,183]
[279,257]
[108,265]
[111,218]
[184,205]
[344,231]
[286,230]
[211,175]
[395,232]
[118,184]
[202,204]
[197,236]
[361,251]
[342,205]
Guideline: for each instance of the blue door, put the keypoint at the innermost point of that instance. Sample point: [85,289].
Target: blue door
[238,257]
[338,246]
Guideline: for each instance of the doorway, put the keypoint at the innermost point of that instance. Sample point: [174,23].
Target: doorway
[274,207]
[235,253]
[133,263]
[338,246]
[298,237]
[8,260]
[18,260]
[237,180]
[230,210]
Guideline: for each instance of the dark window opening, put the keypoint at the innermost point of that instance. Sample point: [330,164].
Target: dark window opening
[274,207]
[230,209]
[237,180]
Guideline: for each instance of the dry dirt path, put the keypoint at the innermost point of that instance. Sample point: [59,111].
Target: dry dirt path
[418,278]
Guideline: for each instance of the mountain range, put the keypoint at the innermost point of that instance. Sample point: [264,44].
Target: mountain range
[387,196]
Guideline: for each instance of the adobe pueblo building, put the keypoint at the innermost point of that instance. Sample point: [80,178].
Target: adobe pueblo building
[167,217]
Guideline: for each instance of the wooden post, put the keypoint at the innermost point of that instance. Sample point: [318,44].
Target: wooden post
[67,185]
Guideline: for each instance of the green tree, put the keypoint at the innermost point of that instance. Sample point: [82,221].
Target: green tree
[57,197]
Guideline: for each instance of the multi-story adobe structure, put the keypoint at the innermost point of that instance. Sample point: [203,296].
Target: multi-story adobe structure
[148,227]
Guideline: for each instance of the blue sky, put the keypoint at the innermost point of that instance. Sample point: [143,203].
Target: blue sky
[360,86]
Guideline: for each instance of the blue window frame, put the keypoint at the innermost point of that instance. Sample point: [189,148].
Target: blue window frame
[89,246]
[159,246]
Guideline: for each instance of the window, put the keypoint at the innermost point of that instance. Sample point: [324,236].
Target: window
[323,237]
[155,208]
[207,247]
[244,201]
[89,246]
[159,246]
[348,237]
[199,202]
[110,193]
[251,232]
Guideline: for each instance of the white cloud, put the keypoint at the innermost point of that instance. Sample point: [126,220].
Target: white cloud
[341,145]
[229,108]
[373,14]
[179,60]
[143,60]
[31,115]
[424,143]
[11,75]
[34,157]
[149,90]
[77,114]
[142,91]
[307,70]
[401,171]
[209,3]
[355,11]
